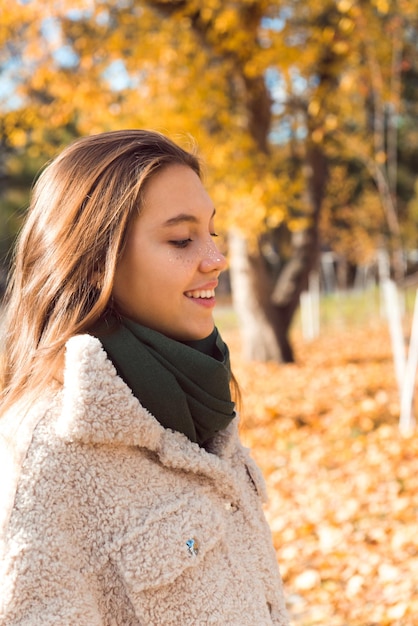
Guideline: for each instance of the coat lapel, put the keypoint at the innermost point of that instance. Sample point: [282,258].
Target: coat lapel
[99,408]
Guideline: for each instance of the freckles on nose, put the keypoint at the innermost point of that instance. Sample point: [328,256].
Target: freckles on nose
[210,255]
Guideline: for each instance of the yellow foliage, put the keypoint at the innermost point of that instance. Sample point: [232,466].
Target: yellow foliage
[344,5]
[346,25]
[314,107]
[382,5]
[331,122]
[297,224]
[328,34]
[317,135]
[276,216]
[17,138]
[181,84]
[381,157]
[226,21]
[352,228]
[340,47]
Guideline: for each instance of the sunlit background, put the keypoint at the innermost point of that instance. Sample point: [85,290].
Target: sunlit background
[306,116]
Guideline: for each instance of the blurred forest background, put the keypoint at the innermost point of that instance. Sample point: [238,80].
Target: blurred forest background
[306,116]
[305,113]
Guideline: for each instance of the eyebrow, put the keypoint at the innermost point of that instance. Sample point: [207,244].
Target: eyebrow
[184,217]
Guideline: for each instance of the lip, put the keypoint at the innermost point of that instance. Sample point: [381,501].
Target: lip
[207,303]
[205,287]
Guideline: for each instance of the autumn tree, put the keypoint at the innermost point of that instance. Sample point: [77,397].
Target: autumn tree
[279,97]
[372,133]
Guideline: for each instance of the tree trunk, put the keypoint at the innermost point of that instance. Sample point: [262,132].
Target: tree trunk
[265,298]
[265,307]
[258,339]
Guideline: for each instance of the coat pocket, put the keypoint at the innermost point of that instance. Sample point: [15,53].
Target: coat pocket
[174,536]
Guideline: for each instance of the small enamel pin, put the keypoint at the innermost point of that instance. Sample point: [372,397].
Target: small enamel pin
[192,547]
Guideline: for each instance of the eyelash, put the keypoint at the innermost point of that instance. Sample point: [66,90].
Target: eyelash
[183,243]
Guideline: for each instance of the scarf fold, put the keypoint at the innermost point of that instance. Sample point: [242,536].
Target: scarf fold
[185,386]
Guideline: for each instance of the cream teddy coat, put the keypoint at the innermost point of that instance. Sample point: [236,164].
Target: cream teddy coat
[111,520]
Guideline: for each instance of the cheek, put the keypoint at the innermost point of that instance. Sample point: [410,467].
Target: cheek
[182,258]
[191,257]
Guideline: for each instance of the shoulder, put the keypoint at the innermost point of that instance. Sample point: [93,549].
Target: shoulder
[29,433]
[98,407]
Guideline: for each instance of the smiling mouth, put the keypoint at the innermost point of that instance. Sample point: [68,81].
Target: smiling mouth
[201,293]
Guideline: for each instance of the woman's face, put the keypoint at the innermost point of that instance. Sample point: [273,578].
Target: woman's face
[167,274]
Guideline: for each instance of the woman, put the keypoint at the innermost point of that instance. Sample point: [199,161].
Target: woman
[128,499]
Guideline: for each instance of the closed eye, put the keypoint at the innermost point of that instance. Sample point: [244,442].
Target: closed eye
[183,243]
[180,243]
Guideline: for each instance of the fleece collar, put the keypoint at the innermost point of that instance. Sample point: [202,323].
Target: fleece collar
[99,408]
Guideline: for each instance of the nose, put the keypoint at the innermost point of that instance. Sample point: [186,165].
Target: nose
[212,259]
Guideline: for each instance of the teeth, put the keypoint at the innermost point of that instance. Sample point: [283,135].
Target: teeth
[203,293]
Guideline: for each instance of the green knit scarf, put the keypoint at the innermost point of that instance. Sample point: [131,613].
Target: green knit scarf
[184,385]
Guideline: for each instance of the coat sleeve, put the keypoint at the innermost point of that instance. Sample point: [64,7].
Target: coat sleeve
[42,581]
[37,591]
[43,575]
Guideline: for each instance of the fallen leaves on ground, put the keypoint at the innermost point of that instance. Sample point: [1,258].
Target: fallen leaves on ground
[343,483]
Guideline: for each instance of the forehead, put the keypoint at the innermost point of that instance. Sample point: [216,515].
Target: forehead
[175,195]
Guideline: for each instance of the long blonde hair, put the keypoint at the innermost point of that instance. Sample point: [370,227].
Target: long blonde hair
[66,254]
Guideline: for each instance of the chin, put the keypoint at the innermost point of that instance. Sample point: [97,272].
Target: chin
[191,335]
[203,334]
